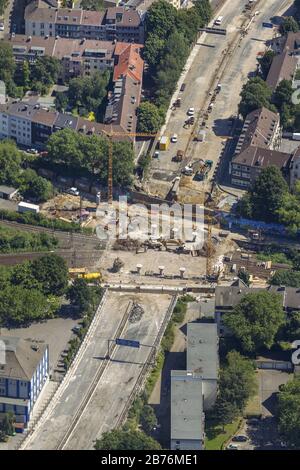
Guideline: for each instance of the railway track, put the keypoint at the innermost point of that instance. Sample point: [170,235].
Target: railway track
[99,373]
[72,257]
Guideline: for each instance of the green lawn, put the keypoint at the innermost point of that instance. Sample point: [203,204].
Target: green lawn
[215,437]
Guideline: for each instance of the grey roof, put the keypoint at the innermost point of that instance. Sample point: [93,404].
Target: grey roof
[227,297]
[21,357]
[202,349]
[7,189]
[187,421]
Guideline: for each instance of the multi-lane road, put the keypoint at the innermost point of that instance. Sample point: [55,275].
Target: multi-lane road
[215,58]
[96,392]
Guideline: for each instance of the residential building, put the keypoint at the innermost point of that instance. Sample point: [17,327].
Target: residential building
[115,23]
[295,168]
[187,417]
[203,358]
[31,124]
[257,148]
[246,167]
[228,297]
[24,369]
[79,57]
[7,192]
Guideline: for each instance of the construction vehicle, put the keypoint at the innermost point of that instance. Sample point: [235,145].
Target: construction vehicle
[76,272]
[179,156]
[91,276]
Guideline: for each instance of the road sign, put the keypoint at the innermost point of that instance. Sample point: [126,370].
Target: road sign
[127,342]
[267,25]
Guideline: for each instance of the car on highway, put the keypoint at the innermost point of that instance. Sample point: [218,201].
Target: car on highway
[240,438]
[73,191]
[191,111]
[232,447]
[174,138]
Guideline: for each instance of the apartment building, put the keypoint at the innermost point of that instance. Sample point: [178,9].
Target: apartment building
[285,63]
[257,148]
[24,369]
[79,57]
[112,24]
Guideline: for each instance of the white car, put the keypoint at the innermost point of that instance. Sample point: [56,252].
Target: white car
[33,151]
[73,191]
[174,138]
[156,154]
[191,112]
[1,27]
[232,447]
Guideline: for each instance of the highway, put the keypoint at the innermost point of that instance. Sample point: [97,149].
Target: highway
[214,58]
[96,393]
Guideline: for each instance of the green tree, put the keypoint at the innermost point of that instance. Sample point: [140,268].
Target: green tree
[35,187]
[10,162]
[7,63]
[52,272]
[289,210]
[7,423]
[97,5]
[150,118]
[3,6]
[153,50]
[25,74]
[237,382]
[289,412]
[126,440]
[225,412]
[256,320]
[266,62]
[267,194]
[79,294]
[289,24]
[255,94]
[161,19]
[148,419]
[46,71]
[286,278]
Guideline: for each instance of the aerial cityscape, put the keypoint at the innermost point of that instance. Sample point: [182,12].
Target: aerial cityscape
[150,226]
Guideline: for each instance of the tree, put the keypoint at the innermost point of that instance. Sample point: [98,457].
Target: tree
[289,24]
[160,18]
[19,306]
[267,194]
[289,412]
[153,49]
[79,294]
[7,63]
[255,94]
[52,272]
[126,440]
[150,118]
[46,71]
[286,278]
[266,62]
[3,6]
[225,412]
[148,419]
[97,5]
[289,210]
[10,162]
[7,423]
[35,187]
[237,383]
[244,276]
[256,320]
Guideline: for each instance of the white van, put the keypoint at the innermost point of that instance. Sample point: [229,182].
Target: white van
[219,20]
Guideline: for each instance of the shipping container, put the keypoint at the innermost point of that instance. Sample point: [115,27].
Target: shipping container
[27,207]
[164,143]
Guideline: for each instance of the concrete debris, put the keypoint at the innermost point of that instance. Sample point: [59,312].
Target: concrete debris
[136,313]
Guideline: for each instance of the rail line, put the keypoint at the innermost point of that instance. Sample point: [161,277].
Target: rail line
[90,392]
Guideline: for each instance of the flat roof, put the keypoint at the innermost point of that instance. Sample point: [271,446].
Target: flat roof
[202,349]
[7,189]
[14,401]
[186,406]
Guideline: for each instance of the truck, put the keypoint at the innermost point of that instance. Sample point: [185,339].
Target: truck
[164,143]
[296,136]
[201,135]
[28,207]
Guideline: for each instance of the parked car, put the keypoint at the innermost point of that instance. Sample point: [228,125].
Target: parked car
[73,191]
[156,154]
[188,171]
[232,447]
[1,27]
[191,111]
[32,151]
[174,138]
[253,421]
[240,438]
[182,88]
